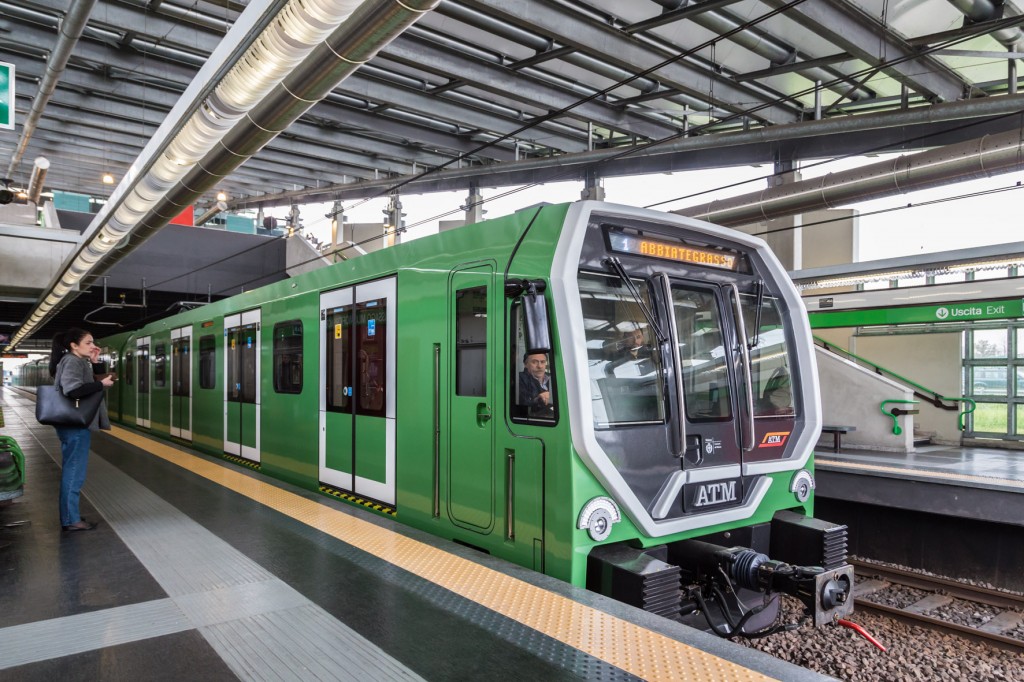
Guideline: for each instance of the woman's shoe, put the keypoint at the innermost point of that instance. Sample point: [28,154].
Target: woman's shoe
[81,525]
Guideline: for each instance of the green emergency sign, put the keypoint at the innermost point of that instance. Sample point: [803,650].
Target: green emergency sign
[6,96]
[919,314]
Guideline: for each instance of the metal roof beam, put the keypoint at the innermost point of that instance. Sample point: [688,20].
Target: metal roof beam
[850,29]
[592,37]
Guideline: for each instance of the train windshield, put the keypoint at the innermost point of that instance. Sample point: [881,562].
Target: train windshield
[622,354]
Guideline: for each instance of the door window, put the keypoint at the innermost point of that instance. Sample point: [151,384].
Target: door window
[143,355]
[371,339]
[339,359]
[471,341]
[182,368]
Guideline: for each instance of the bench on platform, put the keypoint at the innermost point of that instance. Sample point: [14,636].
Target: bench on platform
[837,434]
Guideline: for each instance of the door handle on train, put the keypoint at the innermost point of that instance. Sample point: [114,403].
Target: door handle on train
[483,414]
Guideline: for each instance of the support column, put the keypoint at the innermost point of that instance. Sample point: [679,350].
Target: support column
[474,206]
[337,229]
[393,220]
[593,188]
[293,220]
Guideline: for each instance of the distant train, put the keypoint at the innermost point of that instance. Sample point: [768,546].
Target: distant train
[621,398]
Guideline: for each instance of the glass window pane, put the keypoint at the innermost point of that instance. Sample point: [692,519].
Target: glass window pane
[1020,419]
[988,380]
[533,387]
[143,356]
[160,366]
[180,360]
[1020,342]
[129,368]
[207,361]
[339,359]
[288,357]
[989,343]
[625,366]
[702,351]
[471,341]
[769,359]
[371,340]
[247,345]
[990,418]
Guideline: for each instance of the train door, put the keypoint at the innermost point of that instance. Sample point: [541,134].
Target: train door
[716,415]
[471,380]
[357,389]
[143,397]
[241,385]
[181,383]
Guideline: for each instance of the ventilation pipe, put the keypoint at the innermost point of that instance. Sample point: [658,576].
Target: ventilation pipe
[70,31]
[978,11]
[981,158]
[305,51]
[35,185]
[219,207]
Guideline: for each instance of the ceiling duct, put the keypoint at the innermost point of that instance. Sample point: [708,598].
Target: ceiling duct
[981,158]
[218,207]
[306,50]
[978,11]
[35,184]
[70,31]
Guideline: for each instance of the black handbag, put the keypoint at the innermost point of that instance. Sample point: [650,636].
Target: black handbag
[54,409]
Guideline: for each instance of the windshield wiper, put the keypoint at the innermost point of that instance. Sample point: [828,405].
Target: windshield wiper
[613,263]
[757,314]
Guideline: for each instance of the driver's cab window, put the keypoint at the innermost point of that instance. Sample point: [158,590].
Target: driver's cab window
[769,358]
[534,396]
[622,357]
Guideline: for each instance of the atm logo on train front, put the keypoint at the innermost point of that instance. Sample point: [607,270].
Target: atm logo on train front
[775,439]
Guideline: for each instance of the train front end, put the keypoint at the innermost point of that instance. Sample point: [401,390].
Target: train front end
[692,394]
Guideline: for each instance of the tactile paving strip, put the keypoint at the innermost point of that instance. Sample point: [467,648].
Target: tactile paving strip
[630,647]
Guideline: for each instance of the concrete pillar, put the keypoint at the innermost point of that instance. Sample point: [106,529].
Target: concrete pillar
[337,229]
[393,221]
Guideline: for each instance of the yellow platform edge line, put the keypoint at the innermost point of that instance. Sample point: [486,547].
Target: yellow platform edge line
[632,648]
[919,472]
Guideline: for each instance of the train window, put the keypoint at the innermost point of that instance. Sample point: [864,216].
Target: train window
[207,361]
[288,357]
[624,363]
[159,366]
[143,357]
[702,351]
[771,377]
[181,367]
[371,348]
[533,395]
[129,368]
[339,359]
[471,341]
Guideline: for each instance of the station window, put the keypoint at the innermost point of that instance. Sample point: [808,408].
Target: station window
[160,366]
[531,381]
[993,377]
[471,341]
[288,357]
[207,361]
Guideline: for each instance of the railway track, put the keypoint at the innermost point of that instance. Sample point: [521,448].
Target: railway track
[929,601]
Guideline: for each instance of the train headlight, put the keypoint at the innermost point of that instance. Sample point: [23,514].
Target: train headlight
[598,516]
[801,485]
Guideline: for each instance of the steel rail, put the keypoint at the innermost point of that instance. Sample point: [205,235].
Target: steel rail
[952,588]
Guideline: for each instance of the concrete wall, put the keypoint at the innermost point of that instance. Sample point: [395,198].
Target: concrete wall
[301,257]
[931,360]
[31,256]
[852,396]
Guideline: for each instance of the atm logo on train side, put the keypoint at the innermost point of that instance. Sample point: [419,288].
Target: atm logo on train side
[774,439]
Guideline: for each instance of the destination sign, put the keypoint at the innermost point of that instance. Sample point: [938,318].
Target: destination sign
[673,251]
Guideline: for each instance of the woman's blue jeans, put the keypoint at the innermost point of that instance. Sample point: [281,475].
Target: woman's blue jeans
[74,449]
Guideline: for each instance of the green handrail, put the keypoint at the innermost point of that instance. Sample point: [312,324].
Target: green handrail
[895,413]
[965,412]
[934,397]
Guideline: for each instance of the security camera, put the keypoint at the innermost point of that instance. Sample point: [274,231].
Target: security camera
[6,195]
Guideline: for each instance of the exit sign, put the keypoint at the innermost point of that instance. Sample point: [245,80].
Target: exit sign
[6,96]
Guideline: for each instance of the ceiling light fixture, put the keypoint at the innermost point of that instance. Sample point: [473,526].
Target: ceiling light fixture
[108,179]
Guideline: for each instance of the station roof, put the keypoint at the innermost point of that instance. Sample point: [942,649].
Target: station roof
[500,92]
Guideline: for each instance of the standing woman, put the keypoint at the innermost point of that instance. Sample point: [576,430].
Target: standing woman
[71,369]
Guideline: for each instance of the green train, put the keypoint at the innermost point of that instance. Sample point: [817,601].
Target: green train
[621,398]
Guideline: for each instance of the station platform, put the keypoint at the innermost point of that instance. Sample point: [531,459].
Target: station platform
[943,508]
[202,570]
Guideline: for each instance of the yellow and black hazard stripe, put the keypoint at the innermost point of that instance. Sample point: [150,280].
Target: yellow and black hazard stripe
[255,466]
[349,497]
